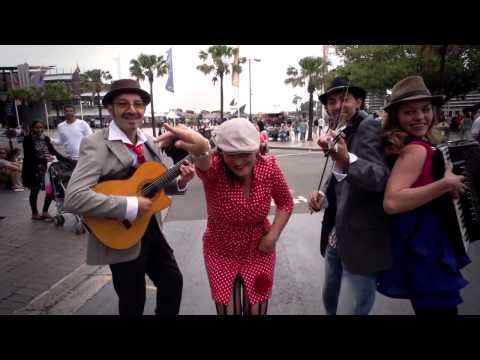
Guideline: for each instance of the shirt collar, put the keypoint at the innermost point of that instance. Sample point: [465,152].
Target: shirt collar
[115,133]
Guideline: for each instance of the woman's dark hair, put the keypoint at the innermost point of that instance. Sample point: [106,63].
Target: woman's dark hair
[231,177]
[261,126]
[35,122]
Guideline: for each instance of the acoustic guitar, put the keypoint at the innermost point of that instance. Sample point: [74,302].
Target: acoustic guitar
[148,181]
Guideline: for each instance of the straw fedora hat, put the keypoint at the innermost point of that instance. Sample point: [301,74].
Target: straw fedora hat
[411,88]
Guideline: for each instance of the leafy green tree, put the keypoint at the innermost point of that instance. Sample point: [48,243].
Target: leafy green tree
[57,93]
[451,70]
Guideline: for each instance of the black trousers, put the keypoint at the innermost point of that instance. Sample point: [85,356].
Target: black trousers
[435,312]
[156,259]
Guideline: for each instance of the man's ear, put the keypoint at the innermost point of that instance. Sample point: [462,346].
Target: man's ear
[359,103]
[110,109]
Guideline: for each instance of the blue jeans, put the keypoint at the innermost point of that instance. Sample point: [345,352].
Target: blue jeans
[343,292]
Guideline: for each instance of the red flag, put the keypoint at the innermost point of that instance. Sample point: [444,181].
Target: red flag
[325,53]
[236,74]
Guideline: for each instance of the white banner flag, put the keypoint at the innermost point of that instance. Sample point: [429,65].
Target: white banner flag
[169,84]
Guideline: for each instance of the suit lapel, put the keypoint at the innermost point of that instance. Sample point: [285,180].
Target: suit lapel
[120,151]
[148,154]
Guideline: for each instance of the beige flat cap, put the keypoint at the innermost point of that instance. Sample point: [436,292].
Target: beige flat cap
[237,135]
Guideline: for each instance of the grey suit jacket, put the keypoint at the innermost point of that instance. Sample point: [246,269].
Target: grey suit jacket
[104,159]
[363,241]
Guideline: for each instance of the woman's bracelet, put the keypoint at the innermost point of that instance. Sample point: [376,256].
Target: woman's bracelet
[202,155]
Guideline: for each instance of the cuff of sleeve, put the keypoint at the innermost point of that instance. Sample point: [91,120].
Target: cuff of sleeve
[325,201]
[132,208]
[338,175]
[352,158]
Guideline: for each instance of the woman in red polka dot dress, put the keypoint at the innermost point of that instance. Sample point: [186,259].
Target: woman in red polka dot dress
[239,241]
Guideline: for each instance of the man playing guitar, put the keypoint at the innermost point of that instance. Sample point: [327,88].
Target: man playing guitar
[112,154]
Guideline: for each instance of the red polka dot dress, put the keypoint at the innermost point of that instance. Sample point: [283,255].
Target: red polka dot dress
[235,226]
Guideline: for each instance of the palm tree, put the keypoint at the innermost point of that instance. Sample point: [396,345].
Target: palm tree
[296,100]
[312,71]
[220,55]
[93,81]
[149,66]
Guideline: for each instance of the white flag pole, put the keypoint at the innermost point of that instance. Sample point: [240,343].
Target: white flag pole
[170,86]
[15,100]
[238,96]
[174,110]
[81,107]
[46,116]
[16,112]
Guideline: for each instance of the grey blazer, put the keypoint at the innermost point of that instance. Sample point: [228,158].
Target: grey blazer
[363,241]
[104,159]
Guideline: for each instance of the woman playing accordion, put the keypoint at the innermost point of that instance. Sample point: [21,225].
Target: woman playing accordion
[426,267]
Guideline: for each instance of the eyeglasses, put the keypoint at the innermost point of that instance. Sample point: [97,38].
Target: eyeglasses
[125,105]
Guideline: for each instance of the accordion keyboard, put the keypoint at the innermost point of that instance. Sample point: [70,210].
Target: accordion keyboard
[464,157]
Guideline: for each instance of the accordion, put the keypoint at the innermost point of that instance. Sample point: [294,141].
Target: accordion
[461,216]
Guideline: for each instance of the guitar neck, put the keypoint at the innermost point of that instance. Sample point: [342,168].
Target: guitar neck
[159,183]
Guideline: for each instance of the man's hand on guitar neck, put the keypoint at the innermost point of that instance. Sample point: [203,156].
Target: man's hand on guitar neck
[144,205]
[187,171]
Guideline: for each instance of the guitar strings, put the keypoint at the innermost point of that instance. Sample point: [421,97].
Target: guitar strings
[170,172]
[159,180]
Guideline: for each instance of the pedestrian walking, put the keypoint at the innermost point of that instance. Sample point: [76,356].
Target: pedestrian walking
[38,151]
[71,132]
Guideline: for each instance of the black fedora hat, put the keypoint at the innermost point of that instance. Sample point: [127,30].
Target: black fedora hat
[340,84]
[409,89]
[125,86]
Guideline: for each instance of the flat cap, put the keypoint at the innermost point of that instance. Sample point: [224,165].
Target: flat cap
[237,135]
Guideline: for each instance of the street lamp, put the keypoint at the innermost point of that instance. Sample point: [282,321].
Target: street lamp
[250,83]
[98,88]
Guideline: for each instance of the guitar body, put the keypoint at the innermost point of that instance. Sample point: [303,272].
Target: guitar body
[123,235]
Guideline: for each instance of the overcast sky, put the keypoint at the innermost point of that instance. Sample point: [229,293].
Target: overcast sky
[193,90]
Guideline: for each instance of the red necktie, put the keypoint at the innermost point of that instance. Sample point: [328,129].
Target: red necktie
[138,150]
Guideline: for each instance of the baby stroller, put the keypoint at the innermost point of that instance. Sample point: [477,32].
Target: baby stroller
[59,173]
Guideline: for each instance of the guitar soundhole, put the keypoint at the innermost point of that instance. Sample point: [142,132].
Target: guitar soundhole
[127,224]
[148,190]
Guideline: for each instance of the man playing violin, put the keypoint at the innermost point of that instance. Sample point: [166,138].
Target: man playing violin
[354,237]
